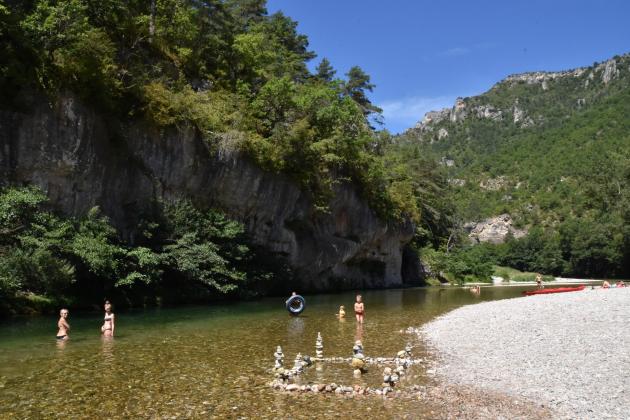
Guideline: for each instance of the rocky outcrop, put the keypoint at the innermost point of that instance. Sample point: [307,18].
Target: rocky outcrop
[489,112]
[447,162]
[493,184]
[520,117]
[433,117]
[494,229]
[82,159]
[458,113]
[609,70]
[540,77]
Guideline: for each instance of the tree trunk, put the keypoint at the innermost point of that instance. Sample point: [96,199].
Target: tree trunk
[152,21]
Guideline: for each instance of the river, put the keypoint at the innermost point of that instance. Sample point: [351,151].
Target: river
[215,361]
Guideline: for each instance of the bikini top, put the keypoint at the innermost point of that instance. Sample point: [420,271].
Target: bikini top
[108,317]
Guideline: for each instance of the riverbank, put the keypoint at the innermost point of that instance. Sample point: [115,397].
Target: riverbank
[555,282]
[569,352]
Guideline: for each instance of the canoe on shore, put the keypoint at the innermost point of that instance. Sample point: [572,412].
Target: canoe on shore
[555,290]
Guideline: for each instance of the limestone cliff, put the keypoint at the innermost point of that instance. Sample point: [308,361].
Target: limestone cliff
[83,159]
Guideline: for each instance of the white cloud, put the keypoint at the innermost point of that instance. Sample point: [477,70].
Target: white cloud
[464,50]
[455,52]
[404,113]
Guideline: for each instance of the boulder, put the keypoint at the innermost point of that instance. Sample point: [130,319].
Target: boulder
[493,230]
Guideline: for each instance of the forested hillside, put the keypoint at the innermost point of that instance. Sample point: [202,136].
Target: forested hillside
[227,71]
[552,149]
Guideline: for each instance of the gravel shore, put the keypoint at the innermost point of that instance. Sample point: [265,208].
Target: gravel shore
[569,352]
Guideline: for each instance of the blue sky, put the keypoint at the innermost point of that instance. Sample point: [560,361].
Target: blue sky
[421,55]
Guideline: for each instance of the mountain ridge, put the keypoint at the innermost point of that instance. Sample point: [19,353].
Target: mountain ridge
[608,70]
[552,151]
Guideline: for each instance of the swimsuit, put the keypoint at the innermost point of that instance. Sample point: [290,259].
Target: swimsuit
[61,337]
[107,321]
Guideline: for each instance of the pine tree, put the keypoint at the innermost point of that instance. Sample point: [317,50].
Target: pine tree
[325,71]
[356,86]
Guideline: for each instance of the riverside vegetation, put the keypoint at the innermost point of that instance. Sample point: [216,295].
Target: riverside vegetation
[225,68]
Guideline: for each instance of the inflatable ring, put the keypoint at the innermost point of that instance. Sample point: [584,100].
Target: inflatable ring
[296,304]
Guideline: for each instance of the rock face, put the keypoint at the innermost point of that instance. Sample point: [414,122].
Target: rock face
[83,160]
[489,112]
[609,70]
[493,229]
[458,113]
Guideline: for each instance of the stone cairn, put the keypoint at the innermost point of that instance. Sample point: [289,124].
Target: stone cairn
[279,356]
[300,363]
[358,358]
[391,376]
[281,373]
[319,347]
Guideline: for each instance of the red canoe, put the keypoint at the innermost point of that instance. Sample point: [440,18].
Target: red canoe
[556,290]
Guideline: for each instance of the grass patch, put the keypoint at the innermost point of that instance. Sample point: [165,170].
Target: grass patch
[510,274]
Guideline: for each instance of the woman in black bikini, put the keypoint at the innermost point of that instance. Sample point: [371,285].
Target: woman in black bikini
[108,322]
[63,325]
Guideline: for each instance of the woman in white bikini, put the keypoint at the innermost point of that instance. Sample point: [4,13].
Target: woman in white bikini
[108,322]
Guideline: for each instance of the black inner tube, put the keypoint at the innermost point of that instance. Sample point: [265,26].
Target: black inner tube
[295,304]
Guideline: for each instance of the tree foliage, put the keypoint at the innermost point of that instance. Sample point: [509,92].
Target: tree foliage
[49,255]
[217,65]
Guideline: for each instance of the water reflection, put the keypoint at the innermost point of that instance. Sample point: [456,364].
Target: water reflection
[61,345]
[295,326]
[107,348]
[358,334]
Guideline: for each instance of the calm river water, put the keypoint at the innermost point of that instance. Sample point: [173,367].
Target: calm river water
[215,361]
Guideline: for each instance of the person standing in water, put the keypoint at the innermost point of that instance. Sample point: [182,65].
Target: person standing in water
[359,309]
[108,322]
[62,325]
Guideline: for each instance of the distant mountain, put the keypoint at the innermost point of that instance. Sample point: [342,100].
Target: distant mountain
[540,146]
[544,157]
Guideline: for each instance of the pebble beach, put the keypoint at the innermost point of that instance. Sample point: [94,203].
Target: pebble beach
[568,352]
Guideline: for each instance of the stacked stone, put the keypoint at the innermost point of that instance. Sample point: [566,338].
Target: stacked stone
[279,356]
[298,365]
[403,360]
[319,347]
[358,358]
[282,374]
[389,380]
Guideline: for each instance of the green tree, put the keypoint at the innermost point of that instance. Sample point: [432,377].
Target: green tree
[356,87]
[325,71]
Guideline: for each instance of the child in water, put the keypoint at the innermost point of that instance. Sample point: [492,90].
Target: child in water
[342,312]
[359,309]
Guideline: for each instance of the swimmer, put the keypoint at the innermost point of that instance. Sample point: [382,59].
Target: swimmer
[539,281]
[63,325]
[359,309]
[108,322]
[621,284]
[342,312]
[605,285]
